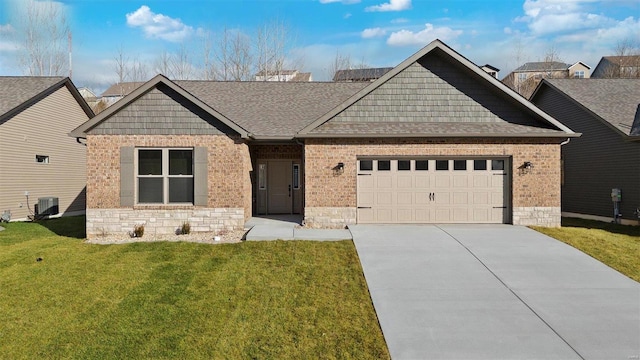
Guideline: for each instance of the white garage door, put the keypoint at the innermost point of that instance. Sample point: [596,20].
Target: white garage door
[433,191]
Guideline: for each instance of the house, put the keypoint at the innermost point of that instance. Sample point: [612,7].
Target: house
[38,160]
[607,156]
[525,78]
[283,75]
[434,140]
[491,70]
[117,91]
[367,74]
[611,67]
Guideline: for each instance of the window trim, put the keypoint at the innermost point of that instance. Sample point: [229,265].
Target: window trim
[296,176]
[165,176]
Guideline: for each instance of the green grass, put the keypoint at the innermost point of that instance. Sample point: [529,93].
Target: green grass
[615,245]
[252,300]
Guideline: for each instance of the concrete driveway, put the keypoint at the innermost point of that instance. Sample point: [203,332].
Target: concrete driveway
[495,292]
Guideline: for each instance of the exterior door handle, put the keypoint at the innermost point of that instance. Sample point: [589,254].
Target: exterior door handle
[289,190]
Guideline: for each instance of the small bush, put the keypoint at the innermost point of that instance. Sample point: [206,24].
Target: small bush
[138,230]
[185,229]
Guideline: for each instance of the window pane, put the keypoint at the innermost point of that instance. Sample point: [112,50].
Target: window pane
[150,190]
[384,165]
[422,164]
[296,176]
[479,164]
[442,164]
[404,164]
[497,164]
[180,162]
[262,176]
[180,190]
[459,164]
[366,165]
[149,162]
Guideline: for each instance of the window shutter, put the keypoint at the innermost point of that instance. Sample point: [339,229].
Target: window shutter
[200,176]
[127,176]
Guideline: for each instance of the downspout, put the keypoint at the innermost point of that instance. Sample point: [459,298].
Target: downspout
[565,142]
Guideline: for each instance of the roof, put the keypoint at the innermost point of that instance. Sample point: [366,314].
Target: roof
[628,60]
[543,66]
[490,67]
[121,89]
[276,72]
[360,74]
[271,109]
[614,101]
[550,127]
[302,77]
[19,92]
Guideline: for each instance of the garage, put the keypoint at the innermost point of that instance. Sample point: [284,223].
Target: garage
[433,190]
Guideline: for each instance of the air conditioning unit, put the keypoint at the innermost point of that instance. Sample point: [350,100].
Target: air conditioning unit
[47,206]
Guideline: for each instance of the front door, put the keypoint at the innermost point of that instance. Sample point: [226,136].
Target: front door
[280,192]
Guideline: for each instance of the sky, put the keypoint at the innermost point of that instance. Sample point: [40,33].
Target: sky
[379,33]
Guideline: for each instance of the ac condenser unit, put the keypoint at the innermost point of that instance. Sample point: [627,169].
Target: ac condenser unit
[47,206]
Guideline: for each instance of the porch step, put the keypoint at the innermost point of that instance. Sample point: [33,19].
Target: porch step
[287,232]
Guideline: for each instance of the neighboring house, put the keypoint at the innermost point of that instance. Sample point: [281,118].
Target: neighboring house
[491,70]
[283,75]
[435,140]
[117,91]
[525,78]
[37,157]
[613,67]
[607,155]
[355,75]
[89,96]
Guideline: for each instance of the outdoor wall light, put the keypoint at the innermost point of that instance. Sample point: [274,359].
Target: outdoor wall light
[338,169]
[527,165]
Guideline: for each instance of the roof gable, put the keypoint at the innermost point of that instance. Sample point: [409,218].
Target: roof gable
[436,92]
[616,101]
[163,92]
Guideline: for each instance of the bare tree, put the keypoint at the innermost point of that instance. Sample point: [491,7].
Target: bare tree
[44,33]
[234,58]
[129,70]
[340,62]
[181,67]
[273,42]
[162,64]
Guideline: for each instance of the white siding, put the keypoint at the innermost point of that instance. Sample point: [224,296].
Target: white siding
[42,130]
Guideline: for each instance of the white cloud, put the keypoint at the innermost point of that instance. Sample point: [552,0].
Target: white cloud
[346,16]
[6,29]
[558,16]
[158,25]
[430,33]
[392,5]
[373,32]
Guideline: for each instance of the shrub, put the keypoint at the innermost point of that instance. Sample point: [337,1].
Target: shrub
[185,229]
[138,230]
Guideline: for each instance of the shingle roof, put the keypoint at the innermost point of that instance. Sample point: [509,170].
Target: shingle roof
[543,66]
[122,89]
[614,100]
[360,74]
[15,90]
[271,109]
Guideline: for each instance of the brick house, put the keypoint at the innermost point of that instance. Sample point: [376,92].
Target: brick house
[436,139]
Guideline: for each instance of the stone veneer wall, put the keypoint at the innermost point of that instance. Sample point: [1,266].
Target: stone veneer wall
[330,198]
[229,186]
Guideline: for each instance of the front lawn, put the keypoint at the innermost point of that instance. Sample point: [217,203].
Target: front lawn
[615,245]
[251,300]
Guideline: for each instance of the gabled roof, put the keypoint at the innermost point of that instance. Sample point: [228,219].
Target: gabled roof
[549,127]
[613,101]
[80,132]
[581,63]
[360,74]
[543,66]
[122,89]
[19,92]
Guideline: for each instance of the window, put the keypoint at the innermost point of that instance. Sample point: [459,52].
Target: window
[404,165]
[262,176]
[442,165]
[497,164]
[165,176]
[42,159]
[296,176]
[366,165]
[459,164]
[479,164]
[522,76]
[579,74]
[422,165]
[384,165]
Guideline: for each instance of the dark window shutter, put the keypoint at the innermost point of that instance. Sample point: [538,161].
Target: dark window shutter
[200,177]
[127,176]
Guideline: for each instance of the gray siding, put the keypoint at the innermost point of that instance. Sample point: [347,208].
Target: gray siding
[42,130]
[596,162]
[434,90]
[161,111]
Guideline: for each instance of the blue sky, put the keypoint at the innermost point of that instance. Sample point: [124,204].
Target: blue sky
[376,32]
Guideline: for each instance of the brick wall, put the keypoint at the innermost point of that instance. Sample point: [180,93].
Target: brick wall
[538,189]
[229,183]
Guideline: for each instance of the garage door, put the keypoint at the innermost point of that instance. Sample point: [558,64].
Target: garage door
[433,191]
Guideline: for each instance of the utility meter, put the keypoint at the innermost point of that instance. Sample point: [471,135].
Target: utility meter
[616,195]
